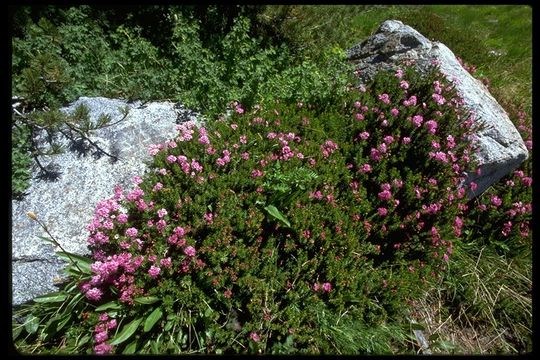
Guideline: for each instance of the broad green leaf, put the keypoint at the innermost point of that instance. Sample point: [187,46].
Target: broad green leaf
[83,262]
[31,324]
[110,305]
[146,300]
[83,340]
[126,332]
[272,210]
[131,348]
[152,319]
[155,348]
[51,298]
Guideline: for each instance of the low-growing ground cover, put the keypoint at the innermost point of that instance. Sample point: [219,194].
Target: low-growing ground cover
[315,219]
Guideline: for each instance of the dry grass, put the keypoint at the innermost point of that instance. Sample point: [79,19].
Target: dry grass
[489,312]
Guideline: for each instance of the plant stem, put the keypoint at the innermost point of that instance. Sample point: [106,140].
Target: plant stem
[58,244]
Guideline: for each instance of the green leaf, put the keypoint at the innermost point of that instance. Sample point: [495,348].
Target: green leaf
[82,261]
[131,348]
[51,298]
[110,305]
[63,322]
[16,330]
[444,345]
[31,324]
[272,210]
[416,326]
[126,332]
[155,348]
[146,300]
[152,319]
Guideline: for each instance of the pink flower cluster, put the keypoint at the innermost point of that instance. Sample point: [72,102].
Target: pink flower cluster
[101,334]
[225,159]
[185,131]
[328,148]
[325,287]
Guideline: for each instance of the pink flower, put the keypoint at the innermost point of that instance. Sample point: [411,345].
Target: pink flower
[527,181]
[103,317]
[190,251]
[410,102]
[154,271]
[365,168]
[316,287]
[316,195]
[131,232]
[326,287]
[495,200]
[458,224]
[102,349]
[450,142]
[507,227]
[431,125]
[203,139]
[406,140]
[388,139]
[157,187]
[399,73]
[359,116]
[384,98]
[179,231]
[364,135]
[94,294]
[439,155]
[394,112]
[209,218]
[166,262]
[529,144]
[162,212]
[153,149]
[435,145]
[404,84]
[171,159]
[439,99]
[385,195]
[398,183]
[382,211]
[357,104]
[254,336]
[257,173]
[220,162]
[417,120]
[382,148]
[136,180]
[445,257]
[111,324]
[375,154]
[234,126]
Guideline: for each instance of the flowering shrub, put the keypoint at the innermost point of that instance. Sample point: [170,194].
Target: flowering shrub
[502,214]
[247,231]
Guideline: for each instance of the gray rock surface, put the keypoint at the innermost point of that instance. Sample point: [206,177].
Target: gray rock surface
[501,148]
[67,205]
